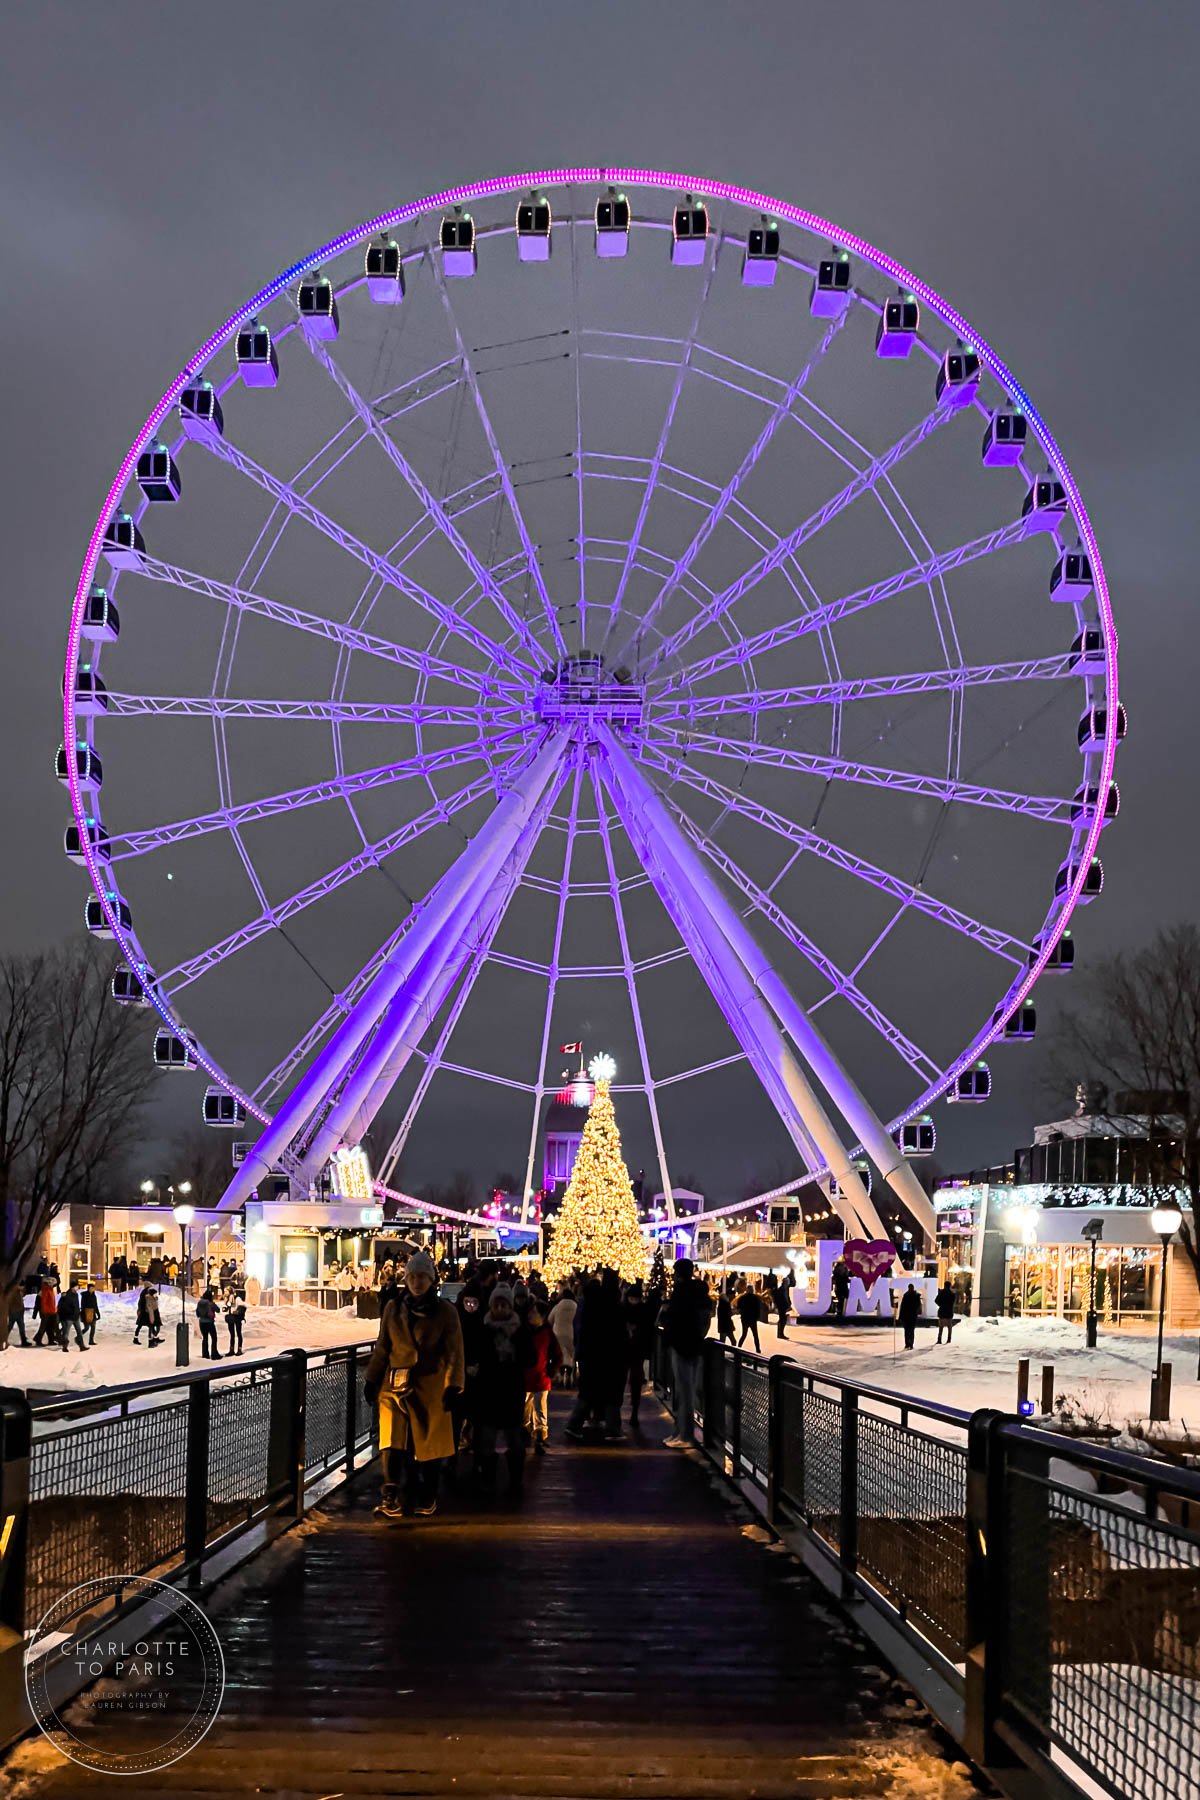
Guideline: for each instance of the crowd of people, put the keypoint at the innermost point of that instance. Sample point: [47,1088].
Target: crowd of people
[72,1313]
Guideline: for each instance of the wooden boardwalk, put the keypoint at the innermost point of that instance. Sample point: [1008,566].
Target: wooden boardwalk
[617,1634]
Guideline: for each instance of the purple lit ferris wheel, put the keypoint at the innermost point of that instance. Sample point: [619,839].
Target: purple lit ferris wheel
[594,602]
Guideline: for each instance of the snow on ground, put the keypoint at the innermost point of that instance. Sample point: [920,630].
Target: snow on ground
[979,1368]
[115,1359]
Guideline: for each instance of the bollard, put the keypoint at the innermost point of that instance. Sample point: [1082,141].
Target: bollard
[1160,1394]
[1047,1389]
[1022,1383]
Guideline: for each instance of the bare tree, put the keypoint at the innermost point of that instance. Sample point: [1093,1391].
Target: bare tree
[202,1156]
[1137,1034]
[75,1072]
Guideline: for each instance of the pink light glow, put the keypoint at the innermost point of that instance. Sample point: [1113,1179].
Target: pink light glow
[592,175]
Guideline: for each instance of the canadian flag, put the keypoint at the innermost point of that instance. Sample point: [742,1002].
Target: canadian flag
[569,1049]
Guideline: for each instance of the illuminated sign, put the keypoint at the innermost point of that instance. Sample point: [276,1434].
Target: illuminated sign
[351,1175]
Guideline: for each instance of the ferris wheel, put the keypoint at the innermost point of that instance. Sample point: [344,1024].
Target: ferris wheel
[599,599]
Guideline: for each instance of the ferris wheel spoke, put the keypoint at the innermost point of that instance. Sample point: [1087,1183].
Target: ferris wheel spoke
[577,347]
[830,611]
[381,566]
[340,712]
[346,637]
[729,492]
[434,508]
[862,483]
[688,350]
[835,768]
[562,894]
[1000,943]
[338,787]
[867,687]
[839,981]
[529,548]
[635,1005]
[370,857]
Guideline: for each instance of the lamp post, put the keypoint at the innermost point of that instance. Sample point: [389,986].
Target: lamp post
[1165,1221]
[184,1214]
[1093,1231]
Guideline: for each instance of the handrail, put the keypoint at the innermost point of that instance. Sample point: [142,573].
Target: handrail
[102,1397]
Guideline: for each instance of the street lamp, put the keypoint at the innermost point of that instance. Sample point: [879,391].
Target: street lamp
[1093,1231]
[184,1214]
[1165,1221]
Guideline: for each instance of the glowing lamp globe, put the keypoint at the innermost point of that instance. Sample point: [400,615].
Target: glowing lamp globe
[184,1214]
[1166,1220]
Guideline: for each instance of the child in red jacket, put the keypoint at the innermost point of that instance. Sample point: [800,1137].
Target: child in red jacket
[539,1376]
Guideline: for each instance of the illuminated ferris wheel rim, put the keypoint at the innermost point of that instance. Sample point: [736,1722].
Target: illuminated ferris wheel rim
[630,178]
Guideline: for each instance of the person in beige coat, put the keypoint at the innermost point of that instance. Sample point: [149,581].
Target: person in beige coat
[414,1371]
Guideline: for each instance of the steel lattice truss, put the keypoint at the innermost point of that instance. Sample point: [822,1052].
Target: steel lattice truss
[566,649]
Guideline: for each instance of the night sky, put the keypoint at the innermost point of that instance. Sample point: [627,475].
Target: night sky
[1034,164]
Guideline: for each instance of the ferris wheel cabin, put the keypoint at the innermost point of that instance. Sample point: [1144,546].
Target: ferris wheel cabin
[457,239]
[1006,438]
[1045,503]
[317,305]
[158,474]
[689,233]
[91,695]
[200,412]
[223,1110]
[172,1052]
[896,332]
[957,379]
[612,225]
[384,271]
[96,838]
[918,1137]
[831,287]
[101,622]
[760,260]
[1021,1026]
[1093,728]
[1061,959]
[1071,576]
[1093,881]
[1087,800]
[1087,652]
[123,544]
[127,988]
[89,770]
[971,1086]
[97,921]
[533,230]
[257,362]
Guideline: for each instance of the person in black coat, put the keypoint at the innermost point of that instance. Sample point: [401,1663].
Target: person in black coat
[235,1319]
[472,1311]
[749,1312]
[724,1315]
[68,1317]
[945,1312]
[603,1359]
[841,1287]
[686,1318]
[206,1318]
[505,1349]
[783,1306]
[910,1312]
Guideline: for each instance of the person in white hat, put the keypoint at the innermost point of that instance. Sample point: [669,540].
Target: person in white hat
[414,1371]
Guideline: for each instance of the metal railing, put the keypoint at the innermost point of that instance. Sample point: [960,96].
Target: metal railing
[1052,1584]
[159,1477]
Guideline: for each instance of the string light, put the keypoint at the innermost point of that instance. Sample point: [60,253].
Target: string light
[597,1224]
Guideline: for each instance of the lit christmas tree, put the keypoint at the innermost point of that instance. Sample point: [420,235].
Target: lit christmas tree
[597,1223]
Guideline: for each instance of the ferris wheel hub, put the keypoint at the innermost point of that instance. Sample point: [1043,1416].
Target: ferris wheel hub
[581,691]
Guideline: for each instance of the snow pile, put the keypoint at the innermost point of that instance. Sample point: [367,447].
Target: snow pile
[114,1359]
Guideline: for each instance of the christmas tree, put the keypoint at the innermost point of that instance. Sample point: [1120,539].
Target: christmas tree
[597,1224]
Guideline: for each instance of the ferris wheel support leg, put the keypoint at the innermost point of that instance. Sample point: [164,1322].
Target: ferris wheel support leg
[750,1018]
[484,855]
[413,1009]
[845,1094]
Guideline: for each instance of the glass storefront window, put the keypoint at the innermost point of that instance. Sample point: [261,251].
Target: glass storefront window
[1052,1280]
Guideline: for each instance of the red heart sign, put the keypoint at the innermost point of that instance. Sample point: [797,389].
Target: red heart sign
[868,1260]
